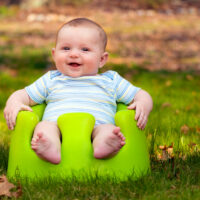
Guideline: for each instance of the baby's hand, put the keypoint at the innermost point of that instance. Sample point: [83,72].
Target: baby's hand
[141,113]
[11,110]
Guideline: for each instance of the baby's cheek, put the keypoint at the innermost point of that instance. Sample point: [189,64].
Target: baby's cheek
[61,60]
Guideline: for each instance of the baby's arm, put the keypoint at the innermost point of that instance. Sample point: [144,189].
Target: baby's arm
[19,100]
[143,105]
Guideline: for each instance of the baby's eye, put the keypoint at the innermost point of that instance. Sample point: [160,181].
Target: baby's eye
[66,48]
[85,49]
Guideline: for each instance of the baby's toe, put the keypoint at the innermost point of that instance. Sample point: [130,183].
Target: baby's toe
[35,138]
[122,143]
[121,136]
[34,146]
[116,130]
[34,141]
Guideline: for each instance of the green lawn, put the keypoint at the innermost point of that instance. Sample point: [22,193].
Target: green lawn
[174,121]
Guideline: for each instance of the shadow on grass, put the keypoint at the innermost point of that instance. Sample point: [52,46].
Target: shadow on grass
[33,58]
[4,149]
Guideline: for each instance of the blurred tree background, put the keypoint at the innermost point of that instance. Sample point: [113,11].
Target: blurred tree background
[124,4]
[151,34]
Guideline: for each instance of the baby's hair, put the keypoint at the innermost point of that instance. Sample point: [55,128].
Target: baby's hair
[86,22]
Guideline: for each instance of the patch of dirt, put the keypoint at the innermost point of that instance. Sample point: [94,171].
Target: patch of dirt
[169,50]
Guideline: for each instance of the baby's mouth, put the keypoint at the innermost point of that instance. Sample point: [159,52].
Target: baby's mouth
[73,64]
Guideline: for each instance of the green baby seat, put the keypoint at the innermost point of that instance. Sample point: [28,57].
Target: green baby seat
[76,149]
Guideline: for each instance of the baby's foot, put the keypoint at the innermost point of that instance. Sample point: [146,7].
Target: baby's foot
[109,145]
[45,149]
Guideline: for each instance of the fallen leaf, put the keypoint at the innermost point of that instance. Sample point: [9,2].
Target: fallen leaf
[168,83]
[162,147]
[184,157]
[167,152]
[171,146]
[188,108]
[6,186]
[189,77]
[194,93]
[170,151]
[166,104]
[185,129]
[198,129]
[192,144]
[164,155]
[159,156]
[173,187]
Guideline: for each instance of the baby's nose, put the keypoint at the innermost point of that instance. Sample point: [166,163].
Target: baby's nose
[74,54]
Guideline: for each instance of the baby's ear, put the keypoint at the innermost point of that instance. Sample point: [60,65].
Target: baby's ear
[103,60]
[53,52]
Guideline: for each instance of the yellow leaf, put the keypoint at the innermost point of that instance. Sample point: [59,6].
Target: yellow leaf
[168,83]
[170,151]
[185,129]
[162,147]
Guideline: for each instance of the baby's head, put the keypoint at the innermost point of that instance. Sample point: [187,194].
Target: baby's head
[80,48]
[86,23]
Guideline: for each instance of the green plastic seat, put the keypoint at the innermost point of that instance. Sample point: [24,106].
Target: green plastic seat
[76,149]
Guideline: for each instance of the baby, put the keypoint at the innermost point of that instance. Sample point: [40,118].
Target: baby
[76,86]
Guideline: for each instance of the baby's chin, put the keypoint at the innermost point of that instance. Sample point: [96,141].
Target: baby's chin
[72,74]
[77,75]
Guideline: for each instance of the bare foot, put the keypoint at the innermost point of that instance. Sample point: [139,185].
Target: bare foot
[109,144]
[45,149]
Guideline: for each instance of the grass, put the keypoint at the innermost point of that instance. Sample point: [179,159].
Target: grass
[165,186]
[176,103]
[25,56]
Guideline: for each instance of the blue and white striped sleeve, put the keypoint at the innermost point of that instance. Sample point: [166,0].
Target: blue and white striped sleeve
[38,91]
[125,91]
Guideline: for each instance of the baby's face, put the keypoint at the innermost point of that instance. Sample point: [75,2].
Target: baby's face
[79,52]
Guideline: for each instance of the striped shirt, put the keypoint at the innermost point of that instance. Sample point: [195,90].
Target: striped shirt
[96,95]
